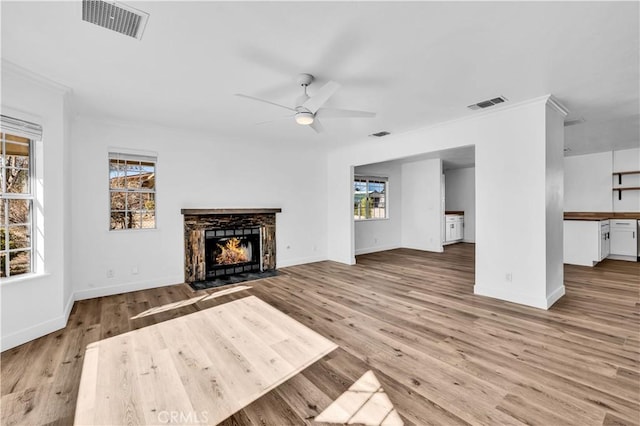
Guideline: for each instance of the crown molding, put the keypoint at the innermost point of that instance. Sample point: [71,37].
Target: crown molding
[16,70]
[554,103]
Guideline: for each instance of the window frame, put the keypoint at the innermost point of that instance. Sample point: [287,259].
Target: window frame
[371,179]
[6,197]
[127,155]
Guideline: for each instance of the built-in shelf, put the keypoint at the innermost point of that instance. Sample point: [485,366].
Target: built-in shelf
[630,188]
[620,174]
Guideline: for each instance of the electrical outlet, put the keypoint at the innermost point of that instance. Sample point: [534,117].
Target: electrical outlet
[110,273]
[375,241]
[508,277]
[134,270]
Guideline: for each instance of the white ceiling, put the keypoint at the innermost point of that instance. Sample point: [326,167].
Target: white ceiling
[414,63]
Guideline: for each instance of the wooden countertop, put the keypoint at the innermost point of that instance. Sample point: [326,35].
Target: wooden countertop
[454,212]
[601,215]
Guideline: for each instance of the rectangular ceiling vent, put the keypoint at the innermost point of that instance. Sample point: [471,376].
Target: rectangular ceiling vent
[116,17]
[380,134]
[489,103]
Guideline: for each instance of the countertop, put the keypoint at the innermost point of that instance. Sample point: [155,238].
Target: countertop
[601,215]
[453,212]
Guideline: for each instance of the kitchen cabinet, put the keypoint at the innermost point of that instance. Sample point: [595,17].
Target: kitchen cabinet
[624,239]
[586,242]
[605,239]
[454,228]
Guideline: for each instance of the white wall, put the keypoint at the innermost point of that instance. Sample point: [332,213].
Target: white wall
[37,305]
[460,195]
[422,213]
[510,144]
[554,205]
[385,234]
[193,171]
[588,181]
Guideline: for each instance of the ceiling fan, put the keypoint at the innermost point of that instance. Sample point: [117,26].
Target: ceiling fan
[308,109]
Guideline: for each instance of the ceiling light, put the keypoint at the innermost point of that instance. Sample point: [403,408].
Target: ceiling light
[305,118]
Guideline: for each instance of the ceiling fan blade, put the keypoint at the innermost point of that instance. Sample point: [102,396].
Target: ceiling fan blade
[321,96]
[340,113]
[265,101]
[317,126]
[287,117]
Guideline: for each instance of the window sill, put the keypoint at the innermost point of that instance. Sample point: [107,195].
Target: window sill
[24,277]
[371,220]
[131,230]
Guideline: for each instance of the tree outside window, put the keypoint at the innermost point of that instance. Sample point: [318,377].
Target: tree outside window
[16,204]
[132,191]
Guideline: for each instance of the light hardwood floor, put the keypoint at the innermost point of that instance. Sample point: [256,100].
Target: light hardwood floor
[441,354]
[213,362]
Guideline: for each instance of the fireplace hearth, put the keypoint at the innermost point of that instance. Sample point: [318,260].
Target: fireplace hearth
[228,245]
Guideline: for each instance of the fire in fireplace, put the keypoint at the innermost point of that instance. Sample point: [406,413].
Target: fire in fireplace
[232,251]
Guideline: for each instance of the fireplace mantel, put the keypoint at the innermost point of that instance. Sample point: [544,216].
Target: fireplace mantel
[207,212]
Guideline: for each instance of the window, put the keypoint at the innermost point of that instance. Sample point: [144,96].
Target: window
[16,204]
[132,191]
[369,197]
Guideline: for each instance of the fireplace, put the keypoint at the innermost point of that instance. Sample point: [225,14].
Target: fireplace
[222,243]
[232,251]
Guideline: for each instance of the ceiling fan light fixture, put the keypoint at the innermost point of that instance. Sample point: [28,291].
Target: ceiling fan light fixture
[304,118]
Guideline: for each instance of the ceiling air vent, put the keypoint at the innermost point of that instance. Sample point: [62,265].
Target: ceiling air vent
[380,134]
[114,16]
[488,103]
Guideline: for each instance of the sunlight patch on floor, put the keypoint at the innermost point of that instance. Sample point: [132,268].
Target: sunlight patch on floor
[176,305]
[364,403]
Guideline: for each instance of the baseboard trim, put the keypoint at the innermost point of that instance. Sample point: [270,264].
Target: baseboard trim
[126,288]
[540,303]
[300,261]
[555,296]
[69,306]
[31,333]
[623,257]
[437,249]
[368,250]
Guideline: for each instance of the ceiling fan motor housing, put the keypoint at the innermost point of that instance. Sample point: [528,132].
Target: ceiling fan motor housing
[304,79]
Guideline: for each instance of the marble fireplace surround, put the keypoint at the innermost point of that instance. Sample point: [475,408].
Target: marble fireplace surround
[198,221]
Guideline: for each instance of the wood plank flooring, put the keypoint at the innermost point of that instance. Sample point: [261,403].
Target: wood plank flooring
[442,355]
[213,362]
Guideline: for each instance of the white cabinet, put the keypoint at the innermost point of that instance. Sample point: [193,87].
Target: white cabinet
[624,239]
[605,239]
[585,241]
[453,228]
